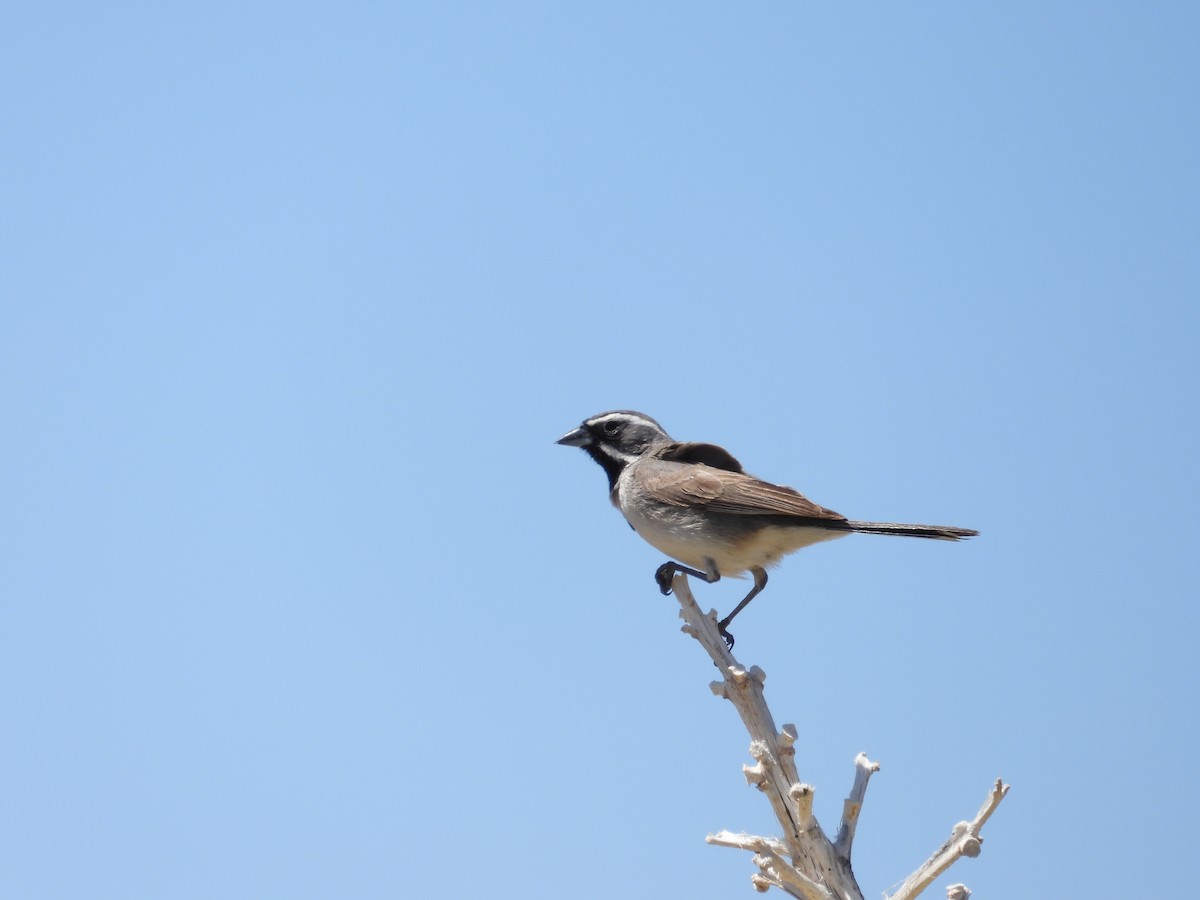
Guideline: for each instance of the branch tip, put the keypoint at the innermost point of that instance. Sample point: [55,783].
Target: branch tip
[755,774]
[862,762]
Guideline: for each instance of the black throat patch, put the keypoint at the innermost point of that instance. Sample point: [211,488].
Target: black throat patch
[612,467]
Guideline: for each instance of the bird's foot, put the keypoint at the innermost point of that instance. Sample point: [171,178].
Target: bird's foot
[663,575]
[722,627]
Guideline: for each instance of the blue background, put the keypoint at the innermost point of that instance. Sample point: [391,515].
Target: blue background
[300,599]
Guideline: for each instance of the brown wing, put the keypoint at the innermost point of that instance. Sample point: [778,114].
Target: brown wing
[724,491]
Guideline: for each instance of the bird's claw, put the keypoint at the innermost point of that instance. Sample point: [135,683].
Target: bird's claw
[663,576]
[726,635]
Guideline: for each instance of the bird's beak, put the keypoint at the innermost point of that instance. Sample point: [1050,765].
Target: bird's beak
[576,438]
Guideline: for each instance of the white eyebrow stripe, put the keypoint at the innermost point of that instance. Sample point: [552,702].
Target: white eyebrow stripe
[624,417]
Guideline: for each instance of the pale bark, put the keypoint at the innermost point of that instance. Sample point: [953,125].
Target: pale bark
[803,862]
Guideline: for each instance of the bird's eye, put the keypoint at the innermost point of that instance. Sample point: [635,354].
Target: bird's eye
[611,426]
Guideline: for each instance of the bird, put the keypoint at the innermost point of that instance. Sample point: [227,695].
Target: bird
[695,503]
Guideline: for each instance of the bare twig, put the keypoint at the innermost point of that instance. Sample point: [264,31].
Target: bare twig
[863,770]
[812,856]
[964,840]
[804,863]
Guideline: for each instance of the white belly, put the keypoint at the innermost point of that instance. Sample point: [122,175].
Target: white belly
[685,537]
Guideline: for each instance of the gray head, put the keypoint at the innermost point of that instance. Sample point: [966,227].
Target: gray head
[615,439]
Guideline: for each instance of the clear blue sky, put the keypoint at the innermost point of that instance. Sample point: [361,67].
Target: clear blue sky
[300,599]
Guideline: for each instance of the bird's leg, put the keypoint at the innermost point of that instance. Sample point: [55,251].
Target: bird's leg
[760,582]
[667,571]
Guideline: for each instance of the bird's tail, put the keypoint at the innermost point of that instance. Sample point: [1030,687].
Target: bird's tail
[937,532]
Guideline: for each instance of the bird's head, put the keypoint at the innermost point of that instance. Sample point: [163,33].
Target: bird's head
[615,439]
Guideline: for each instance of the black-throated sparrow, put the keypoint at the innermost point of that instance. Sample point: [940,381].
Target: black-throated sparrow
[695,504]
